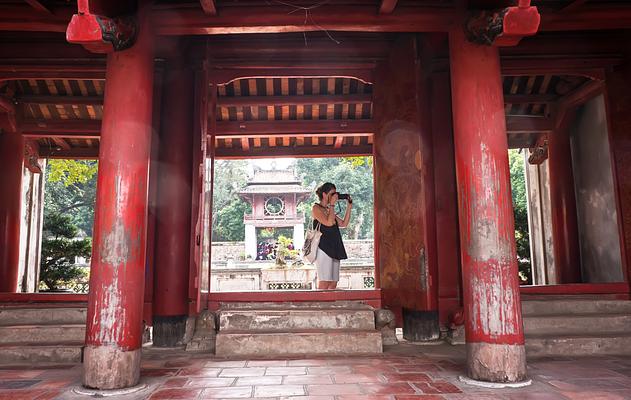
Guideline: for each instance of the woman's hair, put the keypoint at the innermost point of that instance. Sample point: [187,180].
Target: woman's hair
[324,188]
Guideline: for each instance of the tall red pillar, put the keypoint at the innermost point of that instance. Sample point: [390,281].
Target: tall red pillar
[493,321]
[567,258]
[173,208]
[11,161]
[114,324]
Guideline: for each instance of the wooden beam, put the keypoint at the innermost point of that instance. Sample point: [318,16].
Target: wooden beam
[249,101]
[529,98]
[61,143]
[300,128]
[281,19]
[387,6]
[561,65]
[588,17]
[60,100]
[338,142]
[38,5]
[208,6]
[22,18]
[52,71]
[78,129]
[74,153]
[516,124]
[298,152]
[573,5]
[582,94]
[245,144]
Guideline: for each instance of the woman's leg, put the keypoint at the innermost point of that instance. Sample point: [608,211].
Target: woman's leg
[323,285]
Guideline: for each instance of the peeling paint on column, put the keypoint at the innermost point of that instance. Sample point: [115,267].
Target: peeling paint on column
[489,261]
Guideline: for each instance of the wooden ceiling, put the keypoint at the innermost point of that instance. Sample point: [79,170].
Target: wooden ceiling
[267,117]
[259,117]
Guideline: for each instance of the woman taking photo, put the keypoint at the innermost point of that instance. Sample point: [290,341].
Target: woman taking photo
[331,248]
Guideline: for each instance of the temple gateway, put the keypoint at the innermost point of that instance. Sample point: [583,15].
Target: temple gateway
[436,92]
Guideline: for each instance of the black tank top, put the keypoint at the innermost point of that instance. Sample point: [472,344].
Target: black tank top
[331,240]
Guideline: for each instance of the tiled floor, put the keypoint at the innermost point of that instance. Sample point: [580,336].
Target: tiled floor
[406,371]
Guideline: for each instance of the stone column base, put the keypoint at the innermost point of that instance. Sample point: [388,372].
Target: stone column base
[496,362]
[108,367]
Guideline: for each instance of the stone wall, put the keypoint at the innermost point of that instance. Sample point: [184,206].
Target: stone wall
[241,277]
[222,251]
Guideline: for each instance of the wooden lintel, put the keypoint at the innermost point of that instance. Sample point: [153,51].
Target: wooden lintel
[73,153]
[516,124]
[208,6]
[387,6]
[298,152]
[60,100]
[248,101]
[295,127]
[339,140]
[530,98]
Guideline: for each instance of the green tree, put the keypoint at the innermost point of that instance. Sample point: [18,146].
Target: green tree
[71,190]
[520,211]
[59,249]
[228,209]
[351,175]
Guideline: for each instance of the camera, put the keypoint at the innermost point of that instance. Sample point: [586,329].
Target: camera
[343,196]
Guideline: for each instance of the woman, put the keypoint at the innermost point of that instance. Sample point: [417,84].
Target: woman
[331,249]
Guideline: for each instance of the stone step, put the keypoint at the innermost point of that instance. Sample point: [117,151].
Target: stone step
[59,353]
[10,316]
[578,345]
[295,319]
[42,334]
[270,344]
[320,305]
[587,324]
[575,306]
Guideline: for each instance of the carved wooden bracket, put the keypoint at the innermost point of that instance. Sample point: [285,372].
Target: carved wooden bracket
[539,152]
[31,157]
[503,27]
[100,34]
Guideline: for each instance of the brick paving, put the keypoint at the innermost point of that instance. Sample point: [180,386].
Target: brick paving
[403,372]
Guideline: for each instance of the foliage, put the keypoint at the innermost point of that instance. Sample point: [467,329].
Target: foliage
[71,190]
[59,249]
[228,209]
[283,253]
[520,210]
[351,175]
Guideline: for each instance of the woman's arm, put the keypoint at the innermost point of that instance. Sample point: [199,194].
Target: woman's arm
[319,214]
[343,223]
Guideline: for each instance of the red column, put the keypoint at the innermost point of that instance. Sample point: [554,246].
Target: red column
[11,160]
[114,323]
[567,260]
[493,326]
[173,204]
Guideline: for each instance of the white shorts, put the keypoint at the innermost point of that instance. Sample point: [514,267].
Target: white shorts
[328,268]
